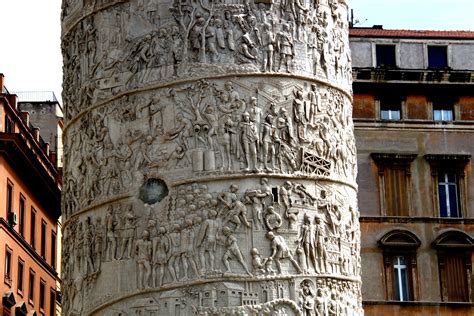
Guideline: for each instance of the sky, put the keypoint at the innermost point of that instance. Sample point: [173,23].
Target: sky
[30,55]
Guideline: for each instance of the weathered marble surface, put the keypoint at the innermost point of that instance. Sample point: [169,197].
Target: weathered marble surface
[209,159]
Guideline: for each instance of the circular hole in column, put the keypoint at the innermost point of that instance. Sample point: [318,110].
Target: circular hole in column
[153,191]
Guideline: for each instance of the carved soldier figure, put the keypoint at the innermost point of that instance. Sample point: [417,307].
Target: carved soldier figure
[306,239]
[232,250]
[187,248]
[237,214]
[280,250]
[161,246]
[175,252]
[268,44]
[143,252]
[110,227]
[258,263]
[207,241]
[128,233]
[255,198]
[249,138]
[285,47]
[98,243]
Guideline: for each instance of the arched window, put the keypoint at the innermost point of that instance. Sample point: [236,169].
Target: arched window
[399,252]
[454,261]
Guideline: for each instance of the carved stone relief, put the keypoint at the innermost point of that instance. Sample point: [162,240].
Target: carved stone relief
[210,161]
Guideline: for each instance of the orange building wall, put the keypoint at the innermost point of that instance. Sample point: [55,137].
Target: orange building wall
[20,250]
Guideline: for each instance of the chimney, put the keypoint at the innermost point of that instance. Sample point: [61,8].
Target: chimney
[2,82]
[53,157]
[46,149]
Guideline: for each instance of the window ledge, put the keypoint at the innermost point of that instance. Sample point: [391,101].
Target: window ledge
[415,219]
[419,303]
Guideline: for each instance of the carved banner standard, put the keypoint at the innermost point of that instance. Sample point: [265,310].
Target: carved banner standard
[210,161]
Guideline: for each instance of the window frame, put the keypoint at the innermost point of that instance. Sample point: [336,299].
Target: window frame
[53,249]
[387,161]
[21,215]
[33,227]
[377,58]
[43,237]
[390,103]
[42,295]
[446,50]
[31,286]
[20,276]
[400,243]
[450,244]
[454,164]
[8,269]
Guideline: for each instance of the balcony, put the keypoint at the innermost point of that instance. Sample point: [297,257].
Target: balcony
[429,76]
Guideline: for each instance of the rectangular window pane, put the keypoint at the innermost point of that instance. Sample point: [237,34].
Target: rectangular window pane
[21,267]
[21,215]
[443,209]
[448,193]
[31,286]
[52,302]
[33,228]
[437,57]
[385,55]
[41,294]
[43,239]
[400,277]
[8,266]
[453,200]
[9,198]
[53,249]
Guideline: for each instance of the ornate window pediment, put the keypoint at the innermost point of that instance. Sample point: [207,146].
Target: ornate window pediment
[453,239]
[400,240]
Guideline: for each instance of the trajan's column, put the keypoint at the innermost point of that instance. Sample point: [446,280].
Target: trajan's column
[210,161]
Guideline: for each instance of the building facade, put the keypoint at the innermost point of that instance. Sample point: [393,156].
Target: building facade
[413,117]
[30,193]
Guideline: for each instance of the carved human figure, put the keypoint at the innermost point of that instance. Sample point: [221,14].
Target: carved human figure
[285,47]
[161,246]
[307,299]
[188,253]
[321,262]
[299,114]
[207,241]
[237,214]
[307,239]
[285,192]
[110,235]
[249,138]
[88,247]
[143,251]
[280,250]
[128,233]
[314,104]
[268,44]
[232,251]
[269,139]
[176,49]
[255,199]
[229,35]
[98,243]
[175,251]
[258,263]
[320,307]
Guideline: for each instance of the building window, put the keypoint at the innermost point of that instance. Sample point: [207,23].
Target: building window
[9,197]
[9,125]
[42,294]
[400,278]
[399,251]
[43,239]
[448,194]
[31,286]
[53,249]
[449,189]
[21,268]
[443,112]
[454,260]
[8,266]
[385,56]
[437,57]
[394,182]
[390,109]
[21,215]
[52,302]
[33,228]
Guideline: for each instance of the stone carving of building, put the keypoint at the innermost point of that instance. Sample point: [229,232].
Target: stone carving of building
[209,162]
[413,116]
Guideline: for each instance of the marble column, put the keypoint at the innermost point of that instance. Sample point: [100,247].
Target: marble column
[210,161]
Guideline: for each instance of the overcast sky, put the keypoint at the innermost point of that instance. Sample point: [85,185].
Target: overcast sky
[30,56]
